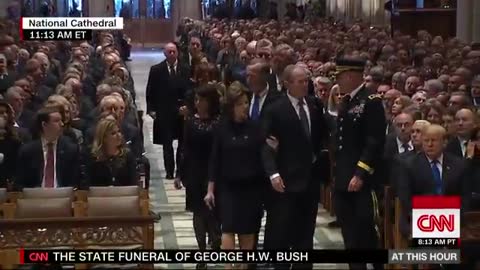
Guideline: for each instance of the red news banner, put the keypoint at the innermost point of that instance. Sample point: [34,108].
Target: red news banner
[436,221]
[196,256]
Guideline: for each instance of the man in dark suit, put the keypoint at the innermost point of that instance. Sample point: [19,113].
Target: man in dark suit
[6,80]
[416,140]
[398,142]
[52,160]
[297,122]
[194,51]
[464,123]
[165,94]
[431,172]
[283,56]
[262,96]
[360,140]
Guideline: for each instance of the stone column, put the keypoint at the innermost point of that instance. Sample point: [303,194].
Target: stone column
[465,19]
[475,21]
[185,8]
[4,4]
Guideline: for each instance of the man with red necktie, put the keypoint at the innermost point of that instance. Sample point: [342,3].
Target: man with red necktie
[52,160]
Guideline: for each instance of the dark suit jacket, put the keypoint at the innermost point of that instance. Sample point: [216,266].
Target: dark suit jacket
[454,147]
[416,178]
[6,82]
[30,174]
[25,119]
[271,97]
[296,151]
[164,96]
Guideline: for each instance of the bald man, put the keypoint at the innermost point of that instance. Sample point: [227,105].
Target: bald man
[464,124]
[431,172]
[165,95]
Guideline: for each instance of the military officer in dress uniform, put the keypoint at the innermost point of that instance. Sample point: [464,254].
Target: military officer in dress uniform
[359,146]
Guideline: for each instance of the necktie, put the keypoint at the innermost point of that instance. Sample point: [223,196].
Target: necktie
[255,108]
[437,177]
[172,70]
[49,167]
[464,149]
[405,147]
[303,117]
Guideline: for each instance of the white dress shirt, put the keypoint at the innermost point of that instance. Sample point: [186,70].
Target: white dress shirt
[279,83]
[174,67]
[439,164]
[295,105]
[45,150]
[263,96]
[463,145]
[400,146]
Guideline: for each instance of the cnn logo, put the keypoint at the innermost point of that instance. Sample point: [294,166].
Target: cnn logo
[32,256]
[436,223]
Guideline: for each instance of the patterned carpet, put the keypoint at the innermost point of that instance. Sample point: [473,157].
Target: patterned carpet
[174,230]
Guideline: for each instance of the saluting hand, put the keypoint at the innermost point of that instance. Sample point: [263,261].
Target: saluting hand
[278,185]
[355,184]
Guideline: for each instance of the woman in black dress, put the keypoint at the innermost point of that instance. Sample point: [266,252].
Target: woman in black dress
[110,163]
[198,140]
[10,143]
[236,171]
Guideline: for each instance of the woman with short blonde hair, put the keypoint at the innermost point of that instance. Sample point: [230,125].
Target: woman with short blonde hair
[110,163]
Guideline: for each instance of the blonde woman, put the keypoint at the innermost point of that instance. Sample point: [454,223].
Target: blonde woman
[334,100]
[110,163]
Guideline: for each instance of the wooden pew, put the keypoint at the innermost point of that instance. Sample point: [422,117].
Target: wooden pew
[388,225]
[470,237]
[73,232]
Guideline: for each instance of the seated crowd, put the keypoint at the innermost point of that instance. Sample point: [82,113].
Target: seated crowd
[68,116]
[430,87]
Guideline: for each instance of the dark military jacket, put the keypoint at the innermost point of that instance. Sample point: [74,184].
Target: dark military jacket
[360,138]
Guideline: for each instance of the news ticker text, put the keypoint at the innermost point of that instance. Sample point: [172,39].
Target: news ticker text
[410,256]
[56,34]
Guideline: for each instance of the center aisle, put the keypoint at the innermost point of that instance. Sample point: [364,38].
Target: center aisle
[175,229]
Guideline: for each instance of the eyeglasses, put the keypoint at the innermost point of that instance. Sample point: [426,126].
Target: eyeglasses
[264,55]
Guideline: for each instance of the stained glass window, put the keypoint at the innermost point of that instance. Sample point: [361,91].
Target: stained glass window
[159,9]
[127,8]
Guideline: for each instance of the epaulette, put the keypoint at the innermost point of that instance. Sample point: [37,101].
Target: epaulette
[374,96]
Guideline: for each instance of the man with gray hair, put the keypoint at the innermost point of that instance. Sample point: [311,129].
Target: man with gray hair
[322,86]
[374,78]
[433,87]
